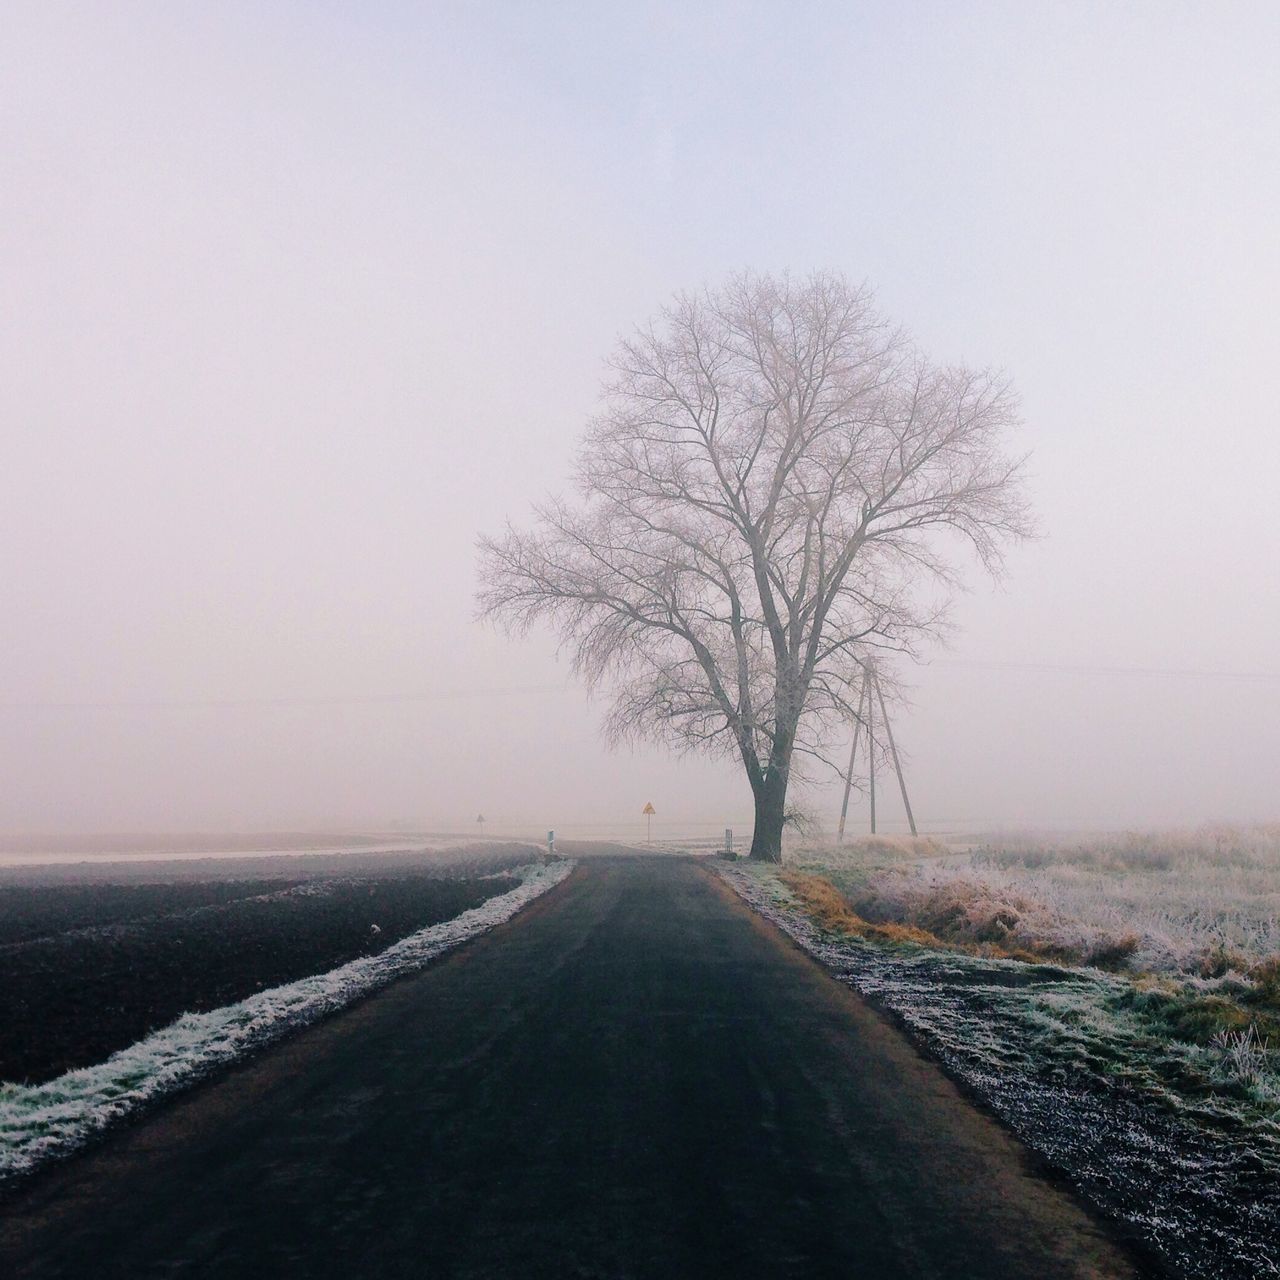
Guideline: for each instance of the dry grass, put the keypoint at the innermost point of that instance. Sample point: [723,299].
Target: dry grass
[1190,918]
[1202,905]
[1216,845]
[867,851]
[831,910]
[970,911]
[1266,982]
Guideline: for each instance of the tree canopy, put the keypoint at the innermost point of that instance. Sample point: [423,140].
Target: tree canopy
[761,495]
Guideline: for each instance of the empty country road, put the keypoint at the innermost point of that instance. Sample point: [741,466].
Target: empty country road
[635,1077]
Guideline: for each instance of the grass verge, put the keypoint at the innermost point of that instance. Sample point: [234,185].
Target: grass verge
[1231,1027]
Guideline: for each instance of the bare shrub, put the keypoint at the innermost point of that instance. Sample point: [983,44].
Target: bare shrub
[802,820]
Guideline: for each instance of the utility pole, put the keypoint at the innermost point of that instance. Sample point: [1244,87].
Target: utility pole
[853,752]
[897,764]
[871,693]
[871,749]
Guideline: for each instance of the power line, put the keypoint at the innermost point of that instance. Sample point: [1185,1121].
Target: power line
[1084,669]
[390,699]
[336,700]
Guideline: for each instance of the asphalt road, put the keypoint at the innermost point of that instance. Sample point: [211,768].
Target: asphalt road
[636,1077]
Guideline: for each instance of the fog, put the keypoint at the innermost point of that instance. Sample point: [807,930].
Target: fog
[298,300]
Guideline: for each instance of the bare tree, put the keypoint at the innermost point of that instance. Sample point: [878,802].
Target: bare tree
[769,483]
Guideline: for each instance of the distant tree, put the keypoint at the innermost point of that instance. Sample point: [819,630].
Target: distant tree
[761,496]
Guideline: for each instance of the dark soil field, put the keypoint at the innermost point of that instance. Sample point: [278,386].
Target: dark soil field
[89,968]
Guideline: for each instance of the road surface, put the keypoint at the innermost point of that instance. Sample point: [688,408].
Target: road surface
[636,1077]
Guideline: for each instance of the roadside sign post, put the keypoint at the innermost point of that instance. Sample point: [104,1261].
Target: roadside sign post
[648,812]
[728,842]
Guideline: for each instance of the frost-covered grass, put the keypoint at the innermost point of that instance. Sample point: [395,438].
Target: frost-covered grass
[1198,901]
[39,1121]
[1192,918]
[1157,1094]
[1202,902]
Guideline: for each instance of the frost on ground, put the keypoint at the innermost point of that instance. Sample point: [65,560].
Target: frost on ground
[1190,919]
[39,1121]
[1151,1130]
[1204,903]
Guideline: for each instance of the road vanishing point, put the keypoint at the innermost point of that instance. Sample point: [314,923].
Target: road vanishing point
[635,1077]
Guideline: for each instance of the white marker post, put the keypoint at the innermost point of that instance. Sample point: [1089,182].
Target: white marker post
[728,842]
[551,844]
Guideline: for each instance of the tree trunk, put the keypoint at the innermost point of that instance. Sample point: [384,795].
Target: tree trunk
[771,798]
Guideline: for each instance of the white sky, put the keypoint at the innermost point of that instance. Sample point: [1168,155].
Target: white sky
[299,298]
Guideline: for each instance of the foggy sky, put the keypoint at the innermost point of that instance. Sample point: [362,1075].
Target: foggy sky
[298,299]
